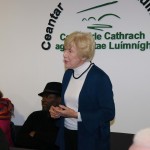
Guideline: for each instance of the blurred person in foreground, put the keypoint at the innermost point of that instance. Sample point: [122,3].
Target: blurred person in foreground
[6,113]
[87,98]
[39,131]
[141,140]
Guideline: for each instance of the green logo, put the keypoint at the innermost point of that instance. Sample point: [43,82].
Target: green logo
[99,25]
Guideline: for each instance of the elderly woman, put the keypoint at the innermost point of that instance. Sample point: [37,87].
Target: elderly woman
[87,98]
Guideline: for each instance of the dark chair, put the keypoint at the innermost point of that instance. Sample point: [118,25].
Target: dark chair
[121,141]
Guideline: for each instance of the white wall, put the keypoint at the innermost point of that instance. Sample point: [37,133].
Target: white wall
[26,67]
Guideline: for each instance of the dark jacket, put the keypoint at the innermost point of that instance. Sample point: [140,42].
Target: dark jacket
[97,109]
[46,132]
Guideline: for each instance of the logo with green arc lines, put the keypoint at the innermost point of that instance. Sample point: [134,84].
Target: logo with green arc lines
[99,26]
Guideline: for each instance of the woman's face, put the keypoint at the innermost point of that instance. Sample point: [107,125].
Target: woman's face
[72,59]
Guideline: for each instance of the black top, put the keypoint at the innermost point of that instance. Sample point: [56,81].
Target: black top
[46,132]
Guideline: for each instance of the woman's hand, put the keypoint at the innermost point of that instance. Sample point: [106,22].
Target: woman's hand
[63,111]
[67,112]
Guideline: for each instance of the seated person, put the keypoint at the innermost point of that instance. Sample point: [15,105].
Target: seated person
[141,140]
[6,112]
[39,131]
[4,145]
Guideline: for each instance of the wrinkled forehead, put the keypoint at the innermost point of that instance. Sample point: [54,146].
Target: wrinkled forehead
[69,45]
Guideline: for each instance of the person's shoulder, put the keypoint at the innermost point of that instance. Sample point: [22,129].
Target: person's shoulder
[99,75]
[97,70]
[35,113]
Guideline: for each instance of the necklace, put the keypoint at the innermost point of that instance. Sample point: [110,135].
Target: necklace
[83,71]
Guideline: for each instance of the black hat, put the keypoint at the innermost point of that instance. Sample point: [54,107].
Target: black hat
[52,88]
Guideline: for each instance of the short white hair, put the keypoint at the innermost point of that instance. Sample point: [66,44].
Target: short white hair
[142,138]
